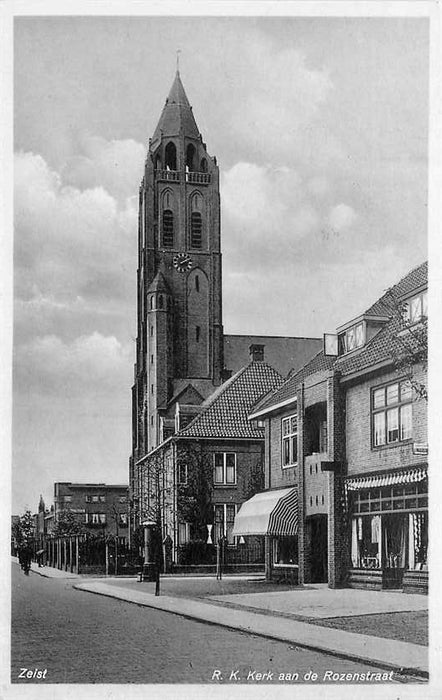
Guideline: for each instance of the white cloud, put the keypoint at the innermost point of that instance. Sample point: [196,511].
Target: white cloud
[117,166]
[70,242]
[341,217]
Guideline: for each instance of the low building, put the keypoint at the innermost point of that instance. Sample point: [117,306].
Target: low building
[98,507]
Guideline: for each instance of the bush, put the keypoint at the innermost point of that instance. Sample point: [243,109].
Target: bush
[196,552]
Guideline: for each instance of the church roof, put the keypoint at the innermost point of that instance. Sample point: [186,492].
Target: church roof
[177,115]
[159,284]
[224,413]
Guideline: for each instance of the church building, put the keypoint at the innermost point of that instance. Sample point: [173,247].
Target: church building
[182,354]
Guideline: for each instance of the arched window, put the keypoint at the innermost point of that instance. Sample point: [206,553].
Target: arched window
[167,228]
[160,301]
[170,156]
[190,155]
[196,230]
[203,165]
[158,162]
[197,283]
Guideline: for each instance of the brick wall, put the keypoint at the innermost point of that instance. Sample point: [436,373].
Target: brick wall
[361,457]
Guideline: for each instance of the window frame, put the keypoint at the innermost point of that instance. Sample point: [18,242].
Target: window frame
[223,522]
[422,297]
[359,331]
[182,482]
[224,467]
[291,438]
[392,409]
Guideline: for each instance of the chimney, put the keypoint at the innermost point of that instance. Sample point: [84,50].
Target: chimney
[256,353]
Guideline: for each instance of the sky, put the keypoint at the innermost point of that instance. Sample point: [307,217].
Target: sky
[319,126]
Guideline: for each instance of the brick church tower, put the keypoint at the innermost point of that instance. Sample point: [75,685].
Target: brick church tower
[179,355]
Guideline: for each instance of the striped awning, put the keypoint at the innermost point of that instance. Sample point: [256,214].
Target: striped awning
[408,476]
[269,513]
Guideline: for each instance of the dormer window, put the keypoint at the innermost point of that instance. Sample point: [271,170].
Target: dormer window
[351,339]
[416,308]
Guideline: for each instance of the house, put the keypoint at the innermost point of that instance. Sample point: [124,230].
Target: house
[212,463]
[346,498]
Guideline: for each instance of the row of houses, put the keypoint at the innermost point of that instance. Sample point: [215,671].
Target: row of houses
[322,475]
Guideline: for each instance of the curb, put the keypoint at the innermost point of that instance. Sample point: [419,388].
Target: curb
[416,672]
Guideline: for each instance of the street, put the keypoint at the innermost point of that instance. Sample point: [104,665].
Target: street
[78,637]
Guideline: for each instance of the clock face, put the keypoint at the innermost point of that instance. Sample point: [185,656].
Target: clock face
[182,262]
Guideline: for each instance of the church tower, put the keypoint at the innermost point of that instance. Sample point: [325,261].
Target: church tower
[179,353]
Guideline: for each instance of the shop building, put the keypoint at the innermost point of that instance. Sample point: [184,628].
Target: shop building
[348,435]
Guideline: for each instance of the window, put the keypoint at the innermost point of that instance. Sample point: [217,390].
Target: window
[197,283]
[167,228]
[94,499]
[190,155]
[224,468]
[416,309]
[122,519]
[285,551]
[86,518]
[94,518]
[102,499]
[183,533]
[392,413]
[88,499]
[182,474]
[351,339]
[197,333]
[67,499]
[122,499]
[196,228]
[224,518]
[102,518]
[290,441]
[170,156]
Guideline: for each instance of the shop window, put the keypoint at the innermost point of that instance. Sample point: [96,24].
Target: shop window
[290,441]
[285,551]
[366,543]
[224,468]
[167,228]
[392,413]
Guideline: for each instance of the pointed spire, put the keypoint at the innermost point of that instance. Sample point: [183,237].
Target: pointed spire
[177,116]
[41,505]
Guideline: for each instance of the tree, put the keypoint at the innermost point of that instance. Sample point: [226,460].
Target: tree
[195,492]
[24,530]
[68,525]
[409,345]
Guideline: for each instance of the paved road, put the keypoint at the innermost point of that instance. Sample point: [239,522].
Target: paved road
[84,638]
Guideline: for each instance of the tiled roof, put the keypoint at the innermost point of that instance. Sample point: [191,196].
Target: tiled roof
[282,353]
[318,363]
[224,413]
[414,279]
[177,114]
[379,348]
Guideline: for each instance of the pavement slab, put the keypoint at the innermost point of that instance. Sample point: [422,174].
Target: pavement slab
[323,602]
[378,651]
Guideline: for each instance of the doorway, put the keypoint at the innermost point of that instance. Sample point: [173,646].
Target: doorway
[319,549]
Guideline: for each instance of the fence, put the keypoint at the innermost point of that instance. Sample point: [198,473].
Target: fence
[82,555]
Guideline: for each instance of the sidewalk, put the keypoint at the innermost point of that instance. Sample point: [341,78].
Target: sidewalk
[48,571]
[384,653]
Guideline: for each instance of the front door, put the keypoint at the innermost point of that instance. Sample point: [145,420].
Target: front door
[319,549]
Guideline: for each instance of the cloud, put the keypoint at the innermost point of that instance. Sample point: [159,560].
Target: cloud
[69,242]
[117,166]
[341,217]
[94,364]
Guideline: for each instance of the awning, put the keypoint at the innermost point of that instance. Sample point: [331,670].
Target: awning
[269,513]
[403,477]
